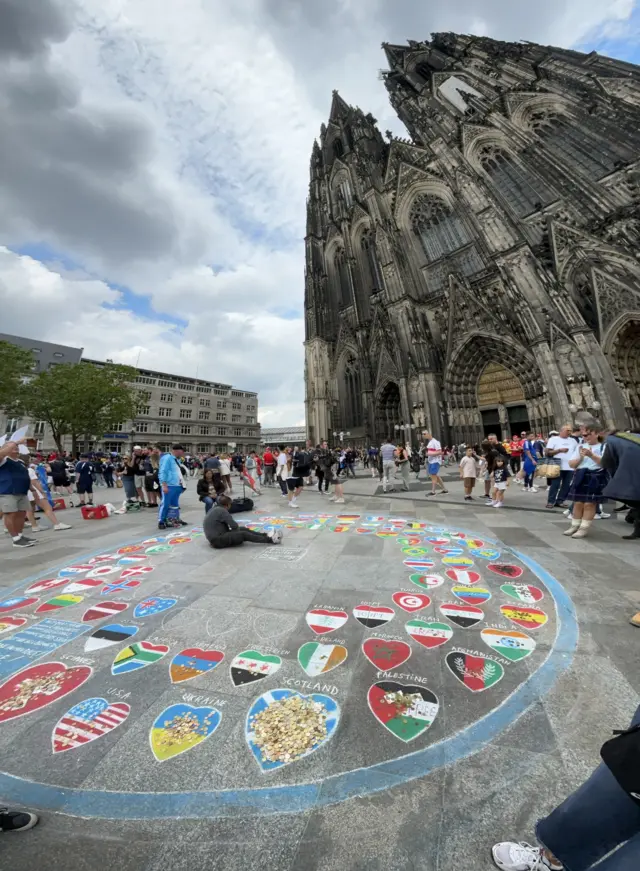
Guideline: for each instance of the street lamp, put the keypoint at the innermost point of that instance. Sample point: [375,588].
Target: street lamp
[405,428]
[341,435]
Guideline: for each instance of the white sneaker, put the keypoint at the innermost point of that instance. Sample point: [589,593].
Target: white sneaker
[339,501]
[332,498]
[60,526]
[275,535]
[498,504]
[603,516]
[567,512]
[533,489]
[293,504]
[510,856]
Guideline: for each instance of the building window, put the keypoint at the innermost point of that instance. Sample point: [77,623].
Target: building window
[236,405]
[206,403]
[186,400]
[369,261]
[141,426]
[58,354]
[186,386]
[204,430]
[204,390]
[251,408]
[237,393]
[237,432]
[221,416]
[220,392]
[438,228]
[145,394]
[185,429]
[343,278]
[222,431]
[203,415]
[221,403]
[236,418]
[144,409]
[250,420]
[203,448]
[13,423]
[166,397]
[185,413]
[116,427]
[38,427]
[164,428]
[36,350]
[141,379]
[519,186]
[167,384]
[164,412]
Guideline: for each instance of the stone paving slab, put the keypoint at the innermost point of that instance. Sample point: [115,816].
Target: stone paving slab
[238,600]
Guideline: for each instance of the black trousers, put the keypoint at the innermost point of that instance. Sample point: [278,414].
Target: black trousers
[515,464]
[321,479]
[237,537]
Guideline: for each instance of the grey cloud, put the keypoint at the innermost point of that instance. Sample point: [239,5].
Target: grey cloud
[74,174]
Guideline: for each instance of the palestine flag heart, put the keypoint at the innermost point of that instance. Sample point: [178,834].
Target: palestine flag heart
[476,672]
[429,633]
[102,610]
[465,616]
[510,643]
[406,711]
[320,620]
[372,616]
[251,665]
[386,655]
[192,662]
[106,636]
[316,658]
[523,592]
[528,618]
[137,656]
[471,595]
[506,570]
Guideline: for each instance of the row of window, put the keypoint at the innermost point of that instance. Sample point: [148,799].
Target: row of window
[186,414]
[143,426]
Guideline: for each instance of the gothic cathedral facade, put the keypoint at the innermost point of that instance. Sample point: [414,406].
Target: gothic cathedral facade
[483,275]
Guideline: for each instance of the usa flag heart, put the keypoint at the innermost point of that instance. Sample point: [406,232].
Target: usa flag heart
[87,721]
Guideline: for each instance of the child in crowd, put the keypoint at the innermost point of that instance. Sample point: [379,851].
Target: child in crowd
[468,473]
[501,475]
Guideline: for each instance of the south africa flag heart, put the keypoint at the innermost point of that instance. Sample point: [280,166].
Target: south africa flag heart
[406,711]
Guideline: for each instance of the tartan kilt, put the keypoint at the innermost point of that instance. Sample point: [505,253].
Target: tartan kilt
[587,485]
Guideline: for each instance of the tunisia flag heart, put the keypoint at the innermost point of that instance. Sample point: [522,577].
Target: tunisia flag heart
[38,686]
[411,601]
[386,655]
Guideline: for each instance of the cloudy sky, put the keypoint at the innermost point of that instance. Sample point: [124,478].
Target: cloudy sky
[154,160]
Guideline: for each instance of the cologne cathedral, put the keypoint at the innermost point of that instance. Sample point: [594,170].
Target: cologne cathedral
[482,275]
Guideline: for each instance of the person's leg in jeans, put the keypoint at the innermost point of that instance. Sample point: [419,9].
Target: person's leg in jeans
[553,490]
[208,503]
[565,485]
[236,537]
[389,469]
[170,499]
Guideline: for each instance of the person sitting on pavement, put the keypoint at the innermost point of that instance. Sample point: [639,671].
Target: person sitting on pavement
[221,530]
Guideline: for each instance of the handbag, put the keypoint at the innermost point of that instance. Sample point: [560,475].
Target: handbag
[550,468]
[621,755]
[119,482]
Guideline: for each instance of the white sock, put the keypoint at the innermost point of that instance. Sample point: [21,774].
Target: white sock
[17,537]
[585,524]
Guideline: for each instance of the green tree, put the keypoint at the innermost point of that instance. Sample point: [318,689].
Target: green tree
[15,365]
[81,399]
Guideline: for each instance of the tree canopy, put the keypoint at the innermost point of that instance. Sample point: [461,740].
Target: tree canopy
[15,365]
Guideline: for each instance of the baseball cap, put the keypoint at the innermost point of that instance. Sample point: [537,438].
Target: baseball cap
[137,448]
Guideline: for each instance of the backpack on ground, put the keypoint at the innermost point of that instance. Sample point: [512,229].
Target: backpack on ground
[241,504]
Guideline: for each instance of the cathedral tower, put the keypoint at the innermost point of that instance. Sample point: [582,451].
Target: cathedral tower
[482,275]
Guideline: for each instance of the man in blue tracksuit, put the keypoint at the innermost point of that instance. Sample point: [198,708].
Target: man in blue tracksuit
[170,478]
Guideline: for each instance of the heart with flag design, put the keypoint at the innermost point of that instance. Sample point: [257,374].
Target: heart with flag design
[471,595]
[365,530]
[132,560]
[137,656]
[373,616]
[528,618]
[37,686]
[135,570]
[120,587]
[180,728]
[429,633]
[409,541]
[179,539]
[473,542]
[103,571]
[15,602]
[405,710]
[131,548]
[461,576]
[477,673]
[506,570]
[322,620]
[153,605]
[415,551]
[419,563]
[252,665]
[448,550]
[488,553]
[411,602]
[46,584]
[464,616]
[193,662]
[102,558]
[523,592]
[102,610]
[84,585]
[317,658]
[510,643]
[327,707]
[457,562]
[427,582]
[385,655]
[107,636]
[69,571]
[437,540]
[63,600]
[8,623]
[86,722]
[158,548]
[387,533]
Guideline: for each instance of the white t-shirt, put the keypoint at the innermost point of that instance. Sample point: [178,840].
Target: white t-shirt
[434,451]
[555,442]
[281,465]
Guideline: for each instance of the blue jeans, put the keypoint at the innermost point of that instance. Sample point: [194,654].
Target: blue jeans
[560,487]
[129,485]
[171,499]
[596,819]
[209,502]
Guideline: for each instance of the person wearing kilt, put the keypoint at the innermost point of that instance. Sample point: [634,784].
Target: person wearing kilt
[589,481]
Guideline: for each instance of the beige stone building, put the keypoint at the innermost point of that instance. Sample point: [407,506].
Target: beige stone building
[482,275]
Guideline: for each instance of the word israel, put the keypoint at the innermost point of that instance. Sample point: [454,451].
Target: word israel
[314,687]
[398,676]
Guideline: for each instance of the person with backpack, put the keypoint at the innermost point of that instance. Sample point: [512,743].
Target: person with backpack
[300,469]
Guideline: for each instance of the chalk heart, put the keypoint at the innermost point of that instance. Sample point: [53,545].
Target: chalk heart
[37,686]
[332,710]
[168,736]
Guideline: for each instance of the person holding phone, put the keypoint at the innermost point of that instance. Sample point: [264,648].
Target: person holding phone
[565,448]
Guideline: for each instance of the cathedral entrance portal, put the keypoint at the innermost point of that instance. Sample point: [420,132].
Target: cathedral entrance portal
[625,360]
[501,401]
[388,411]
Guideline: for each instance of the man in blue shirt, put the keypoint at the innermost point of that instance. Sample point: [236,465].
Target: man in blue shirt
[170,478]
[14,487]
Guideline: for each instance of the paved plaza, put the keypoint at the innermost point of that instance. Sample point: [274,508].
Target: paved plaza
[467,664]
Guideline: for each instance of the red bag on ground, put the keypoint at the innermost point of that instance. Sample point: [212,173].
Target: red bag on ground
[59,504]
[94,512]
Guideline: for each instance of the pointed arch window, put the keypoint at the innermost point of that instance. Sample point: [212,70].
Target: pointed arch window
[521,188]
[584,298]
[593,154]
[338,148]
[371,272]
[424,70]
[343,277]
[438,228]
[352,400]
